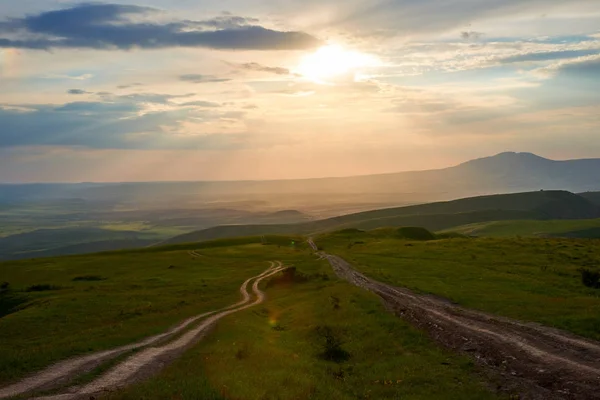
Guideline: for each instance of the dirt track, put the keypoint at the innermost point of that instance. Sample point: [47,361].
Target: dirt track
[535,361]
[139,365]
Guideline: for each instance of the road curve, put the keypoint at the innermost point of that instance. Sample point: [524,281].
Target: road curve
[64,371]
[539,362]
[152,359]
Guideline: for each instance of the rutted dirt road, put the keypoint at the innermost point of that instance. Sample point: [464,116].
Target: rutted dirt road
[141,364]
[536,361]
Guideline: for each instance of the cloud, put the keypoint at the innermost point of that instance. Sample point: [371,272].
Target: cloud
[136,121]
[197,78]
[201,103]
[110,26]
[253,66]
[130,85]
[471,35]
[78,91]
[548,55]
[418,17]
[586,67]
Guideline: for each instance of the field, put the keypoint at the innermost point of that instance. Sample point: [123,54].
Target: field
[278,350]
[585,228]
[528,279]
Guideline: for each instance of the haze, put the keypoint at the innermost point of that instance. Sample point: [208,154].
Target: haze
[187,90]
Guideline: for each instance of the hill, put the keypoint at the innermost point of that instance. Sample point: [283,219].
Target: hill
[52,242]
[584,229]
[594,197]
[541,205]
[296,344]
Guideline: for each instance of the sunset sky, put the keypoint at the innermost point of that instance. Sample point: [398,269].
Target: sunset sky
[260,89]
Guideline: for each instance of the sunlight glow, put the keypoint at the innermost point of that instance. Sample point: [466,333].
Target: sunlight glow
[333,61]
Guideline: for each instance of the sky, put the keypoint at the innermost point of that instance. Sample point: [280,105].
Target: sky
[144,90]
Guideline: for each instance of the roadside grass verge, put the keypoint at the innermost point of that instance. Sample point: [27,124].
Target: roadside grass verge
[314,338]
[531,279]
[139,296]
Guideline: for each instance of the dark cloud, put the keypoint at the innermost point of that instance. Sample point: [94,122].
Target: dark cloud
[197,78]
[548,56]
[77,91]
[253,66]
[118,124]
[471,35]
[108,26]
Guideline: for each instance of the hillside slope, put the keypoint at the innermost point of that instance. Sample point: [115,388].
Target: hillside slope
[594,197]
[581,228]
[541,205]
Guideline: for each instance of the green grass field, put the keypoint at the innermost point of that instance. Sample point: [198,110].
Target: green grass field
[272,351]
[275,351]
[528,279]
[586,228]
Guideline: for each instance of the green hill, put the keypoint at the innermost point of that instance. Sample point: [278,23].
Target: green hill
[52,242]
[593,197]
[589,229]
[542,205]
[96,302]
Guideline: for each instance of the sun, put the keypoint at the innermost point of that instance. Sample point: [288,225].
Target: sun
[333,61]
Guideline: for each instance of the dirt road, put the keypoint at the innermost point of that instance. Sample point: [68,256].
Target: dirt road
[143,363]
[535,361]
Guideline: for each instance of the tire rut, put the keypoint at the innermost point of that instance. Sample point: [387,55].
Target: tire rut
[65,371]
[537,361]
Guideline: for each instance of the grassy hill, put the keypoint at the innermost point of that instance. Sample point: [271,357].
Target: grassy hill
[530,279]
[554,228]
[542,205]
[50,242]
[59,307]
[55,308]
[593,197]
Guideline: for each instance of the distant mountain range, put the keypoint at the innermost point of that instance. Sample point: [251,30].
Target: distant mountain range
[503,173]
[529,206]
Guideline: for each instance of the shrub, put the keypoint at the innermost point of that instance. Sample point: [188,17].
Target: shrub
[4,286]
[89,278]
[332,345]
[415,233]
[590,278]
[42,288]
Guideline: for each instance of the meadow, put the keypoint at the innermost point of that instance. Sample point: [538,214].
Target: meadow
[316,336]
[530,279]
[577,228]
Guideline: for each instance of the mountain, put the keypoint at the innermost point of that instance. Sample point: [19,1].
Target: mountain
[505,172]
[540,205]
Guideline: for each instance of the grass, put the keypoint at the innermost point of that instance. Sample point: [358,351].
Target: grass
[570,228]
[139,296]
[314,338]
[528,279]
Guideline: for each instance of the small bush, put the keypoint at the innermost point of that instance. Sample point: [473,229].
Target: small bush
[42,288]
[4,286]
[335,302]
[88,278]
[415,233]
[332,345]
[590,278]
[242,353]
